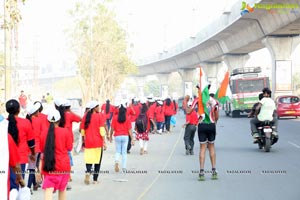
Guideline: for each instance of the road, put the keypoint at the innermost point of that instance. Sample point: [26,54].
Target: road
[245,172]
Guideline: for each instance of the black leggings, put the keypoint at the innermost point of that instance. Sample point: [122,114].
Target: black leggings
[96,168]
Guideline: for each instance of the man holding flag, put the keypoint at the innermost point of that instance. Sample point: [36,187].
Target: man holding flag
[207,111]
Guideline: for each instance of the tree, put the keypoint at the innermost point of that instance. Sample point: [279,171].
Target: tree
[100,47]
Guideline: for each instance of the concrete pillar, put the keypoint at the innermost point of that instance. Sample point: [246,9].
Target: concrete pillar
[211,70]
[164,87]
[187,76]
[281,49]
[140,82]
[234,61]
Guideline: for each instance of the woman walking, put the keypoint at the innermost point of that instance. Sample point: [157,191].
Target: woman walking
[159,116]
[142,126]
[93,129]
[55,144]
[121,129]
[21,131]
[32,116]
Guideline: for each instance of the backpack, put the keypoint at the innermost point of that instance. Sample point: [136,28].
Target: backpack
[141,123]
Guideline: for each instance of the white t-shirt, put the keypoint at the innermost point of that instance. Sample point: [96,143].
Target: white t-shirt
[266,110]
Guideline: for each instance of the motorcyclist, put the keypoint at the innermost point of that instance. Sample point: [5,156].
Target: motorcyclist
[267,112]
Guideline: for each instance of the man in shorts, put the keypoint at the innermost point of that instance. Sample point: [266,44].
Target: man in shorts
[207,136]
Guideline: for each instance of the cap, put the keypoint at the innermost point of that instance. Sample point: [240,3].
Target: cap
[88,105]
[67,103]
[143,100]
[160,102]
[93,104]
[53,116]
[33,108]
[59,102]
[151,100]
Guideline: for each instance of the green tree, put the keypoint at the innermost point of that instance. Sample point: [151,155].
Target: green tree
[100,47]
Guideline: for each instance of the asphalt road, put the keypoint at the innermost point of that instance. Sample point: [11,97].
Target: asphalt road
[245,172]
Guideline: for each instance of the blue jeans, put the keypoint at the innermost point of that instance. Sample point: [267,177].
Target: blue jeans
[121,149]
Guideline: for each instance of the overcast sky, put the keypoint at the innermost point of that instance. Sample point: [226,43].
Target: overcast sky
[152,25]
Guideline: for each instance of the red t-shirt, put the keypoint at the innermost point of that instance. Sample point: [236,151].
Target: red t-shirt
[63,144]
[22,100]
[169,110]
[151,111]
[25,134]
[37,129]
[120,129]
[92,138]
[159,114]
[192,118]
[44,121]
[71,117]
[103,110]
[14,158]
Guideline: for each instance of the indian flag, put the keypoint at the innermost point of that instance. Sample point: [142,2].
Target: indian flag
[203,97]
[224,93]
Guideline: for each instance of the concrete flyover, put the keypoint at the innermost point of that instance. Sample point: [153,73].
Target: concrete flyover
[229,35]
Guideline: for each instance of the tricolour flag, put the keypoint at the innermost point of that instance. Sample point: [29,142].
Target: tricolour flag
[224,93]
[203,97]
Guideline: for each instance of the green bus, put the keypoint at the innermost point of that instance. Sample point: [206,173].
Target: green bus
[245,85]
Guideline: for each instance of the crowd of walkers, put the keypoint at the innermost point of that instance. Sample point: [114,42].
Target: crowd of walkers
[42,145]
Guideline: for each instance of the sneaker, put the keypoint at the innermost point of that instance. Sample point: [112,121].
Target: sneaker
[255,138]
[87,179]
[69,187]
[187,152]
[255,135]
[128,151]
[141,151]
[214,175]
[275,134]
[191,152]
[95,182]
[145,152]
[201,177]
[35,187]
[117,169]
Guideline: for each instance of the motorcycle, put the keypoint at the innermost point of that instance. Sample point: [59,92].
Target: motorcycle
[266,138]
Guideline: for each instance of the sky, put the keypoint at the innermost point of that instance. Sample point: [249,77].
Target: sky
[152,25]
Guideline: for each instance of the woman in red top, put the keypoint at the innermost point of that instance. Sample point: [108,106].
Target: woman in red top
[55,145]
[93,130]
[169,111]
[121,128]
[21,131]
[9,158]
[107,109]
[150,114]
[190,129]
[32,116]
[159,116]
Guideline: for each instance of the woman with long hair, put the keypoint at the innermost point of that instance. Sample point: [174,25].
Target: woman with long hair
[121,129]
[93,129]
[21,131]
[142,127]
[55,144]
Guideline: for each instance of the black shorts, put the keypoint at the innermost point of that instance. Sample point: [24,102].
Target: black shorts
[206,133]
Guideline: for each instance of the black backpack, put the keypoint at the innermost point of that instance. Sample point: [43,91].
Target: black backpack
[141,123]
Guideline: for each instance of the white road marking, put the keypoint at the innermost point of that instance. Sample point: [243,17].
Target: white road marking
[295,145]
